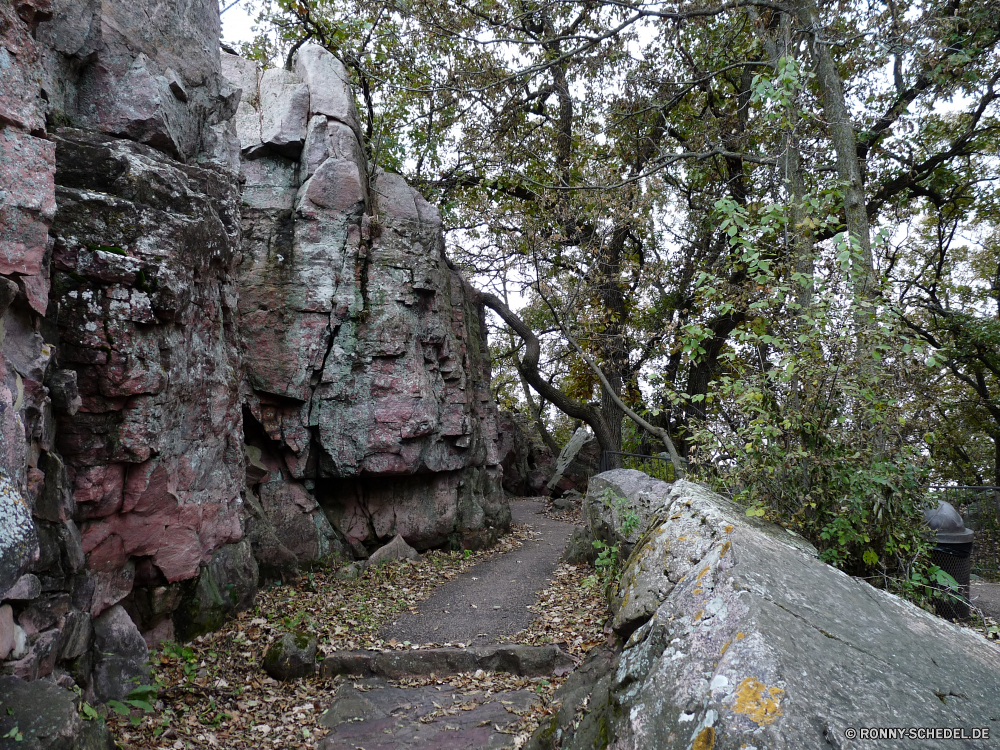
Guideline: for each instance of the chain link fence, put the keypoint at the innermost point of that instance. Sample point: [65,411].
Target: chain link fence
[658,467]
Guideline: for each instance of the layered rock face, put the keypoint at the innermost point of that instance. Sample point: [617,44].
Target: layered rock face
[738,636]
[121,463]
[367,367]
[225,342]
[144,306]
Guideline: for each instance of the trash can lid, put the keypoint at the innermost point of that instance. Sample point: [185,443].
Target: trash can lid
[947,522]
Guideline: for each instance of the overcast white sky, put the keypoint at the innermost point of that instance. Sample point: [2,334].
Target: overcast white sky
[237,20]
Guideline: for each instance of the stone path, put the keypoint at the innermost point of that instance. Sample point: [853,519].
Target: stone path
[372,715]
[486,602]
[491,599]
[986,596]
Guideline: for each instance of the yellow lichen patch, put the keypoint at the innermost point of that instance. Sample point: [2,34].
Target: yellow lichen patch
[725,646]
[698,615]
[682,538]
[697,590]
[702,573]
[729,529]
[740,636]
[758,702]
[705,739]
[725,548]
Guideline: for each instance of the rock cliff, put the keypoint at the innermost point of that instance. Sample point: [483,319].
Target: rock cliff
[367,368]
[227,343]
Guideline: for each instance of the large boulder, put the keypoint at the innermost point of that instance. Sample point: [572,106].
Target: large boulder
[753,642]
[290,657]
[397,549]
[120,656]
[619,505]
[226,585]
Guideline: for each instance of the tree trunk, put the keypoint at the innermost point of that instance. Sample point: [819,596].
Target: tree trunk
[845,144]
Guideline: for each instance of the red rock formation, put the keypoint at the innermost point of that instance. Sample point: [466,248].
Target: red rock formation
[185,369]
[368,366]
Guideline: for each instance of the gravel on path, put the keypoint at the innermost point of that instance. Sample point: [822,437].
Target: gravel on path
[492,599]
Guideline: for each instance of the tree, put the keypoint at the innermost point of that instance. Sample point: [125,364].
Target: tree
[684,192]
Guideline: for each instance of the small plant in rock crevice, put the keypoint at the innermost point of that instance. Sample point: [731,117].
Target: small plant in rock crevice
[609,563]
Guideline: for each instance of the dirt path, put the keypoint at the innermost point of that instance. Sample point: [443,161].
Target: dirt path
[491,599]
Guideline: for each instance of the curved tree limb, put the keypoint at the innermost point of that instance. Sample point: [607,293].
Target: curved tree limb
[528,366]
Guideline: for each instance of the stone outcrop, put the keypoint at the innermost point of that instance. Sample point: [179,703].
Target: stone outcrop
[738,636]
[226,345]
[143,301]
[367,366]
[530,466]
[146,71]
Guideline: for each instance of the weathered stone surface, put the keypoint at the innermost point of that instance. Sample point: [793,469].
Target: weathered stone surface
[146,71]
[464,508]
[588,685]
[580,548]
[37,657]
[26,587]
[120,655]
[378,716]
[245,75]
[285,525]
[227,584]
[64,391]
[143,301]
[687,520]
[284,102]
[18,538]
[7,637]
[329,89]
[759,644]
[580,437]
[290,657]
[27,170]
[619,501]
[526,661]
[121,411]
[21,103]
[397,549]
[365,358]
[47,718]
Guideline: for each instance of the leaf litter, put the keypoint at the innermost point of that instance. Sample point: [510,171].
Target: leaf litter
[213,692]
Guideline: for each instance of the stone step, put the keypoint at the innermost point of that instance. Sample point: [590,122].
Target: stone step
[525,661]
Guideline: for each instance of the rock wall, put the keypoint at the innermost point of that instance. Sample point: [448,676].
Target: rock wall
[367,368]
[738,636]
[122,462]
[225,343]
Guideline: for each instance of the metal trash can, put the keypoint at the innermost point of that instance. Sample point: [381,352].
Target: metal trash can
[953,554]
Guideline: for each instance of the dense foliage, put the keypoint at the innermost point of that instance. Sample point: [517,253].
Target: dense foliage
[766,231]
